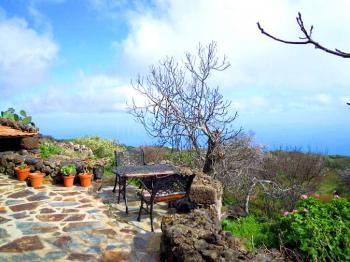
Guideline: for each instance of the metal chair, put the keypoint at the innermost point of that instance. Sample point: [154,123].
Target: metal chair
[165,188]
[131,157]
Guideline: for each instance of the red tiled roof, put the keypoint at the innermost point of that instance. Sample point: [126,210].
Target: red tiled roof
[6,131]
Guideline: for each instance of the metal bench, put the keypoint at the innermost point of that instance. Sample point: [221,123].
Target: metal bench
[164,188]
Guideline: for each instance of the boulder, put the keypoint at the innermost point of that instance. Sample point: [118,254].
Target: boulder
[197,237]
[30,143]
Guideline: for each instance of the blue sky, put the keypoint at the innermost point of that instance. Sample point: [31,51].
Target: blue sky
[69,63]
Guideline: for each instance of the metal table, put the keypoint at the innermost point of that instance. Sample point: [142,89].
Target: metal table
[123,173]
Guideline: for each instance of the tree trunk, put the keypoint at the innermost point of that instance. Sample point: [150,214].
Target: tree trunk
[210,157]
[249,194]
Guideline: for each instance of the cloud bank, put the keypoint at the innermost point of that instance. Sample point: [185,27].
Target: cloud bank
[265,76]
[25,55]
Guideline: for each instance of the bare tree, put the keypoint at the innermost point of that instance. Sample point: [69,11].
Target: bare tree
[242,164]
[248,171]
[306,39]
[181,107]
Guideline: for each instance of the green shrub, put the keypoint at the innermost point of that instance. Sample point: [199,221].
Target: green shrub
[48,149]
[100,147]
[183,158]
[319,230]
[155,154]
[256,233]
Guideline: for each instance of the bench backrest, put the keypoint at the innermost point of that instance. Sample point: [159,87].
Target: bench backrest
[169,184]
[130,157]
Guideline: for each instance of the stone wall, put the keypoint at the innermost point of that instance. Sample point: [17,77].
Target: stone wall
[207,192]
[50,166]
[197,237]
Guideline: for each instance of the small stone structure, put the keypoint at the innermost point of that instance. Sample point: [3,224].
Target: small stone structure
[197,237]
[15,139]
[207,192]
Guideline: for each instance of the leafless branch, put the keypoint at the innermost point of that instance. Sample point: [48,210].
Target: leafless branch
[305,39]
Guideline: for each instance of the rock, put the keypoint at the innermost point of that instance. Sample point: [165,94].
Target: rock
[51,217]
[28,256]
[30,143]
[55,255]
[129,231]
[34,151]
[81,257]
[22,207]
[18,159]
[92,238]
[33,228]
[110,256]
[21,194]
[75,217]
[47,210]
[23,152]
[23,244]
[20,215]
[38,197]
[11,202]
[70,210]
[31,160]
[64,242]
[80,226]
[195,237]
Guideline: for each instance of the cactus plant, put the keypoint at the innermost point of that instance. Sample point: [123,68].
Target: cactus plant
[10,113]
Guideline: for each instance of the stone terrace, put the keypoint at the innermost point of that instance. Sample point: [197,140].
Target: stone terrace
[55,223]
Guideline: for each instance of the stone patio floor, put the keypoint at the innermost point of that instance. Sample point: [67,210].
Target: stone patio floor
[55,223]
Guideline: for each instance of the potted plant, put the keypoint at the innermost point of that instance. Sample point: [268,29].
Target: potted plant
[68,172]
[36,179]
[22,172]
[86,176]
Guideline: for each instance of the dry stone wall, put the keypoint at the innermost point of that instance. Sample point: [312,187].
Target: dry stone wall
[196,237]
[49,166]
[207,192]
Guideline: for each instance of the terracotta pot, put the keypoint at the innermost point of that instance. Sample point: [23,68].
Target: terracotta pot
[85,179]
[22,174]
[36,179]
[68,180]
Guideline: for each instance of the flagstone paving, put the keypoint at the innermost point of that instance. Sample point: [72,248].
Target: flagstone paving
[55,223]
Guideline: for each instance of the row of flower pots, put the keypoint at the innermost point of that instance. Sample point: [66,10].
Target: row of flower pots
[68,172]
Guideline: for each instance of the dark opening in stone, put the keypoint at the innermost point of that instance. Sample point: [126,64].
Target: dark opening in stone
[10,144]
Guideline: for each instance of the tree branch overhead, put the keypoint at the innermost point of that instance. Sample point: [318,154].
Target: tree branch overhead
[305,39]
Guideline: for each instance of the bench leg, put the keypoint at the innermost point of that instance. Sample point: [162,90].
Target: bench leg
[151,216]
[115,183]
[125,198]
[141,207]
[120,188]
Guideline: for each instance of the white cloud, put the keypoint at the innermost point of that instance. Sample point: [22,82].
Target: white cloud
[320,99]
[25,55]
[178,25]
[264,76]
[97,93]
